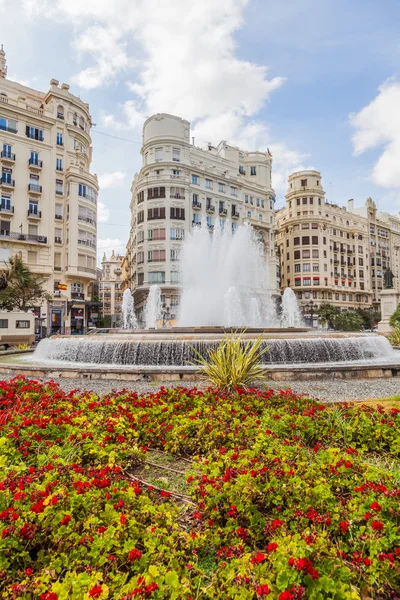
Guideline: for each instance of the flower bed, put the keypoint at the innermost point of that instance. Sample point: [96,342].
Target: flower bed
[283,497]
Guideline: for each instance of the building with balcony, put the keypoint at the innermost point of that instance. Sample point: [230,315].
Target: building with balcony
[181,186]
[110,287]
[48,209]
[324,250]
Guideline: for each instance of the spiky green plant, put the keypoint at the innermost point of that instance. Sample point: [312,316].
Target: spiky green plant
[233,363]
[394,336]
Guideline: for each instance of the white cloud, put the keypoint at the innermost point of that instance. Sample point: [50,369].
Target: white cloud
[181,58]
[377,125]
[111,180]
[103,213]
[108,245]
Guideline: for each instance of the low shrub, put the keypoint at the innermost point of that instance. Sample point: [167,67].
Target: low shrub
[285,498]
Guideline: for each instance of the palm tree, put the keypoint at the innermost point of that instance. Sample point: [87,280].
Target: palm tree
[23,289]
[327,313]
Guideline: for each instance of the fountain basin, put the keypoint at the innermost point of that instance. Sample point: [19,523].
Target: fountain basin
[166,355]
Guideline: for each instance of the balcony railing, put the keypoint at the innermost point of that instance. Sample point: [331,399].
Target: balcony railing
[235,215]
[7,182]
[57,240]
[8,156]
[210,208]
[87,270]
[33,162]
[77,295]
[86,220]
[34,214]
[59,217]
[196,205]
[177,196]
[35,188]
[223,212]
[87,243]
[60,116]
[8,211]
[60,192]
[23,237]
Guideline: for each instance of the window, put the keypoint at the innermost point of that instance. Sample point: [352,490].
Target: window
[22,324]
[314,240]
[58,235]
[315,254]
[59,164]
[297,255]
[58,211]
[297,268]
[3,323]
[209,222]
[296,241]
[246,198]
[304,200]
[156,256]
[157,192]
[158,154]
[177,213]
[306,267]
[209,184]
[156,213]
[249,214]
[140,278]
[315,268]
[5,202]
[6,176]
[176,172]
[234,191]
[59,139]
[7,151]
[174,255]
[253,170]
[156,234]
[176,155]
[303,183]
[8,125]
[157,277]
[221,187]
[311,200]
[174,277]
[59,187]
[307,281]
[241,170]
[86,191]
[140,216]
[140,197]
[82,123]
[196,220]
[33,207]
[195,199]
[305,240]
[177,234]
[306,254]
[60,112]
[195,180]
[140,236]
[140,258]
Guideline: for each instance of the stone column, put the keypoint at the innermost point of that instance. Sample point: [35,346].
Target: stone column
[389,302]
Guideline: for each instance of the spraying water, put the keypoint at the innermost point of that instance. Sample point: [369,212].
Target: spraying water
[129,320]
[291,315]
[220,273]
[153,308]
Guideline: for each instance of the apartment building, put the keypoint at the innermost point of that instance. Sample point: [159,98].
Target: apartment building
[324,250]
[181,186]
[384,235]
[48,210]
[110,287]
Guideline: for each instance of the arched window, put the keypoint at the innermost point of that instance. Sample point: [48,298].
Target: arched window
[60,112]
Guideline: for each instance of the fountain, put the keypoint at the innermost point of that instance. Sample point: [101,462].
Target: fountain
[153,308]
[128,311]
[225,287]
[291,315]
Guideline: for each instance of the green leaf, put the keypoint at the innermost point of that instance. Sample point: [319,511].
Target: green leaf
[171,578]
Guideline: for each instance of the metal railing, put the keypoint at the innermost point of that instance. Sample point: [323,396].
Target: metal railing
[34,187]
[8,182]
[7,155]
[36,214]
[33,162]
[4,209]
[8,128]
[23,237]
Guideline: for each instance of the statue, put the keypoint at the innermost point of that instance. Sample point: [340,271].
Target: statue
[388,279]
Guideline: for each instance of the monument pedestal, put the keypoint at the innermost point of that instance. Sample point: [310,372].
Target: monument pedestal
[389,302]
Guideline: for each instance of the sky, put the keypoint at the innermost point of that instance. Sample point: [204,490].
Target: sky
[316,81]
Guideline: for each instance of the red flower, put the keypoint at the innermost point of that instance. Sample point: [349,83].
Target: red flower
[101,529]
[122,520]
[376,507]
[258,558]
[5,533]
[165,494]
[65,520]
[134,554]
[95,592]
[276,524]
[367,562]
[272,547]
[344,525]
[263,590]
[377,526]
[28,571]
[48,596]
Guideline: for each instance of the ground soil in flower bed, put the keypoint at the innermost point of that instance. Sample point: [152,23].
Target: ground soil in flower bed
[189,493]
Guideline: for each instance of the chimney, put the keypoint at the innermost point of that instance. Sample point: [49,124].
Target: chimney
[350,205]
